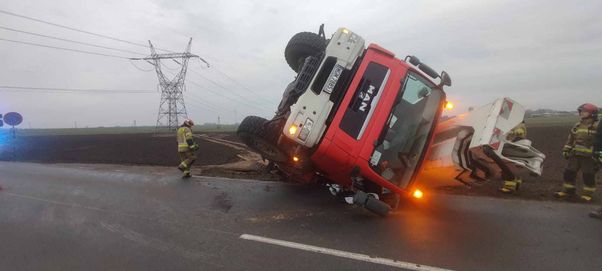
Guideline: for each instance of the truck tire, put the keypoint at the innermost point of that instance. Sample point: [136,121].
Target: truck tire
[252,131]
[372,204]
[378,207]
[301,46]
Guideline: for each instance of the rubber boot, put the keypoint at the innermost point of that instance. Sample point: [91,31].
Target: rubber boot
[568,191]
[182,167]
[588,193]
[511,186]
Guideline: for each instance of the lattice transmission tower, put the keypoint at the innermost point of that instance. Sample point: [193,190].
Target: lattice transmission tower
[172,108]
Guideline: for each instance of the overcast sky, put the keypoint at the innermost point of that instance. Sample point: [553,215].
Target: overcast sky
[544,54]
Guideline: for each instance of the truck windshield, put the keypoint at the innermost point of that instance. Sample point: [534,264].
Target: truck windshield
[402,142]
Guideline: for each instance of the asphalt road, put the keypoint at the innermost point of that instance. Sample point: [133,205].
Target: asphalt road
[61,217]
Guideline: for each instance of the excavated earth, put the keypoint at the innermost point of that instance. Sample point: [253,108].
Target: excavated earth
[222,154]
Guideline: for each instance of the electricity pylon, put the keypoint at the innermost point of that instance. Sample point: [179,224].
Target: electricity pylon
[171,107]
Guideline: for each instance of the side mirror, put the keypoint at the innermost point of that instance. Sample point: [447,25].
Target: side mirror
[445,79]
[413,60]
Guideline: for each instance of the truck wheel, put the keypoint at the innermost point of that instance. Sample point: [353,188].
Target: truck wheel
[372,204]
[301,46]
[253,133]
[391,199]
[378,207]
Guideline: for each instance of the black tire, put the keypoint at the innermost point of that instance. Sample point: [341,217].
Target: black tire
[252,131]
[391,199]
[371,203]
[301,46]
[378,207]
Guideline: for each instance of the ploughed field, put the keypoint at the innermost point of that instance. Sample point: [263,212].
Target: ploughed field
[138,149]
[160,150]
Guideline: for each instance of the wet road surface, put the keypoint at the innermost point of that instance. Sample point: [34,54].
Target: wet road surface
[60,217]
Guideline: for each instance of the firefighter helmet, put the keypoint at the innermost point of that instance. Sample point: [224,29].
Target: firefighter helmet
[587,107]
[188,122]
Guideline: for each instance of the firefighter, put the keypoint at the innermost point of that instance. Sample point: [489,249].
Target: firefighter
[512,182]
[598,157]
[186,147]
[578,150]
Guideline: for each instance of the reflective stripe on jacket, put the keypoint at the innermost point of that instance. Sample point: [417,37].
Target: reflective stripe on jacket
[517,133]
[598,141]
[582,136]
[184,134]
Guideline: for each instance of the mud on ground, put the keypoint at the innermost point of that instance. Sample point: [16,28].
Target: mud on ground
[222,154]
[136,149]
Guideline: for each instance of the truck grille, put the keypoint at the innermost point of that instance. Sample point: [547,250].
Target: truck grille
[308,71]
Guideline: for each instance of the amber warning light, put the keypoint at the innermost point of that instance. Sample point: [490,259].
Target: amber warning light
[449,105]
[292,130]
[417,194]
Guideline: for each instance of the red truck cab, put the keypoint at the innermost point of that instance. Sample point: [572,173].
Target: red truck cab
[383,125]
[357,118]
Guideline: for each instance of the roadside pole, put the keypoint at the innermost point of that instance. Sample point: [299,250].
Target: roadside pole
[13,119]
[14,143]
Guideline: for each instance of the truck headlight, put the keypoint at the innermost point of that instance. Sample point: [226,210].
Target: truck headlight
[306,129]
[292,130]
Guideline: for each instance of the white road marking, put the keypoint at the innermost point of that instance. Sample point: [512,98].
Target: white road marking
[342,254]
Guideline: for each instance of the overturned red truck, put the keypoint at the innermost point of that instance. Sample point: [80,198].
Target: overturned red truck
[366,124]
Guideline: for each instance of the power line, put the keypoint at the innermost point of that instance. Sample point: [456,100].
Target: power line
[169,68]
[195,106]
[222,87]
[68,40]
[77,42]
[200,104]
[140,69]
[72,90]
[236,82]
[115,39]
[62,48]
[222,95]
[78,30]
[107,55]
[203,103]
[108,37]
[229,98]
[72,28]
[257,95]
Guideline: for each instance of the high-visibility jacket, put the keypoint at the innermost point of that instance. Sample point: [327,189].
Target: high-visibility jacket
[185,139]
[517,133]
[582,136]
[598,141]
